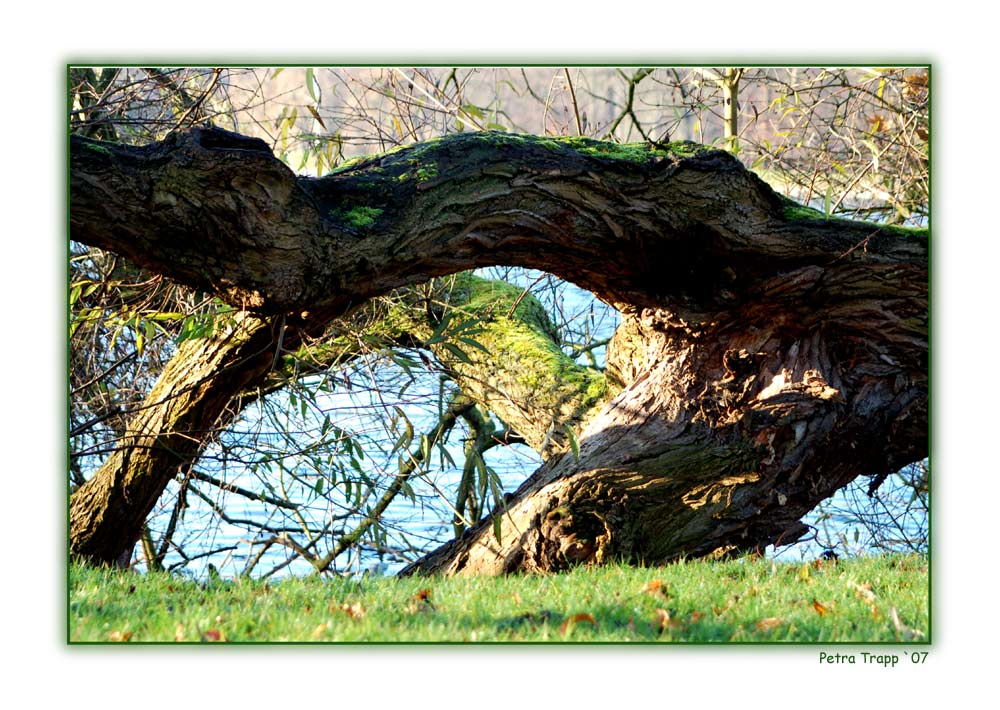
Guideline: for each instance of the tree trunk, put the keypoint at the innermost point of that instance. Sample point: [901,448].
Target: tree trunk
[768,356]
[170,429]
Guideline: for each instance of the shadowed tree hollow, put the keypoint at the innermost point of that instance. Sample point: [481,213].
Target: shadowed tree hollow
[767,356]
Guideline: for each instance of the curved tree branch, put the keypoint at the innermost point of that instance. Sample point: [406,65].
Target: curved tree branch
[768,355]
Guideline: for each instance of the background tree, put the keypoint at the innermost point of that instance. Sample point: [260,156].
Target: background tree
[346,497]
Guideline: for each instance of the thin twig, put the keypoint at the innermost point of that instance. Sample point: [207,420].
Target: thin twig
[576,109]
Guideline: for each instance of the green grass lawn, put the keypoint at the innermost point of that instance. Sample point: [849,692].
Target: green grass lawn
[878,599]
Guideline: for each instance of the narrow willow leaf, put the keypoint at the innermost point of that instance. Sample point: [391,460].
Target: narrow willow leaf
[573,443]
[319,119]
[310,84]
[457,352]
[475,344]
[404,439]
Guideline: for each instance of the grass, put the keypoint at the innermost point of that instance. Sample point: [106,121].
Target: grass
[878,599]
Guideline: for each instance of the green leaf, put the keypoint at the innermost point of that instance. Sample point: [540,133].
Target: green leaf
[473,111]
[319,486]
[457,352]
[828,200]
[276,72]
[474,343]
[445,454]
[498,500]
[438,335]
[573,443]
[165,317]
[404,439]
[310,84]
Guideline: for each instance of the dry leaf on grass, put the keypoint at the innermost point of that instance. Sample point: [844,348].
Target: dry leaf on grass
[903,632]
[771,622]
[355,610]
[656,586]
[213,635]
[864,592]
[318,631]
[421,602]
[572,621]
[663,621]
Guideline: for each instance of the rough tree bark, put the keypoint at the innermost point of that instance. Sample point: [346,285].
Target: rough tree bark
[768,356]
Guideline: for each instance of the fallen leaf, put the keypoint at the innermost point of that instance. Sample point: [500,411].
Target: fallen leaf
[903,632]
[864,592]
[213,635]
[574,620]
[729,605]
[120,636]
[820,609]
[421,602]
[894,618]
[355,610]
[179,633]
[697,615]
[769,623]
[656,586]
[318,631]
[804,573]
[664,621]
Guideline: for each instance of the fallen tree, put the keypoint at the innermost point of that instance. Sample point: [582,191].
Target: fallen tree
[766,358]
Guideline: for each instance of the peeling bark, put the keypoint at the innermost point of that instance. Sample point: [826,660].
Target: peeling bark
[768,357]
